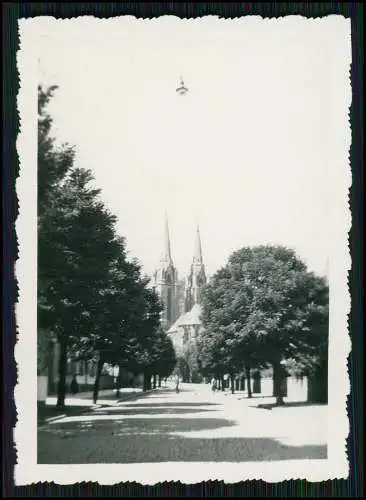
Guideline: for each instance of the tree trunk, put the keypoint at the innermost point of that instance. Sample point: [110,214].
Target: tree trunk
[242,383]
[119,381]
[97,379]
[154,381]
[232,380]
[247,373]
[159,381]
[318,385]
[50,357]
[257,382]
[222,383]
[147,381]
[62,367]
[279,382]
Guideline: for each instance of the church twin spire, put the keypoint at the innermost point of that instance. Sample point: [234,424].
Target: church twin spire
[177,296]
[197,256]
[167,253]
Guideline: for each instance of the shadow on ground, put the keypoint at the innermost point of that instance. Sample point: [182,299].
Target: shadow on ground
[157,405]
[292,404]
[148,411]
[50,411]
[254,396]
[45,412]
[130,426]
[154,440]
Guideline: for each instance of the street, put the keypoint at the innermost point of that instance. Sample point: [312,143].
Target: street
[194,425]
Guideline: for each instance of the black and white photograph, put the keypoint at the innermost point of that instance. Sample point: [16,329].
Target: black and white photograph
[183,249]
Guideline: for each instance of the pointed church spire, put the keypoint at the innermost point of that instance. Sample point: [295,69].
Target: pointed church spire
[197,256]
[197,276]
[167,251]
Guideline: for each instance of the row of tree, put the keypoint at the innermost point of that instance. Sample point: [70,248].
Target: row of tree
[93,299]
[265,309]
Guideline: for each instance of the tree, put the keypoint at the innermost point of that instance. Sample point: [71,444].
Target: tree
[77,247]
[221,349]
[132,337]
[107,337]
[288,317]
[215,356]
[189,362]
[265,307]
[54,164]
[168,360]
[144,322]
[162,355]
[83,234]
[93,300]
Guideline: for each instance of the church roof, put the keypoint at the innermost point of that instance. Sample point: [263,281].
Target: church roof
[175,325]
[189,318]
[193,316]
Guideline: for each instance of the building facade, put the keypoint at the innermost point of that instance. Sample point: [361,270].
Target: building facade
[166,283]
[181,298]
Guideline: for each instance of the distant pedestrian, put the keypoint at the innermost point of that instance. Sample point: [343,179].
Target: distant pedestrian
[177,384]
[74,386]
[213,385]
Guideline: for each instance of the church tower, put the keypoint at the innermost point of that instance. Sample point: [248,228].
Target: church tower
[196,279]
[165,282]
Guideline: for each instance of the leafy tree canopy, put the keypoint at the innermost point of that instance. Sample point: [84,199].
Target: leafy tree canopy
[264,306]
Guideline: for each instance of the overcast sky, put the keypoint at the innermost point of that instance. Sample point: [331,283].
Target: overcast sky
[256,152]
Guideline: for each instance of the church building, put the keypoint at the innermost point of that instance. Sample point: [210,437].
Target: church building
[181,298]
